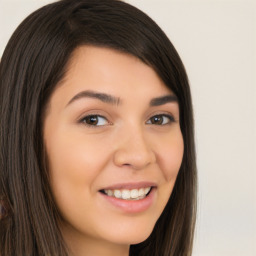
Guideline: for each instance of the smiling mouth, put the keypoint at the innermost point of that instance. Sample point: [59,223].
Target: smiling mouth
[127,194]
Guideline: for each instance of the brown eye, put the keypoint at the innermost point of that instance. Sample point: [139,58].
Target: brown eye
[91,120]
[160,120]
[94,120]
[157,120]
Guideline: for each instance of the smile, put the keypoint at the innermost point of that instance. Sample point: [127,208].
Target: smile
[126,194]
[130,198]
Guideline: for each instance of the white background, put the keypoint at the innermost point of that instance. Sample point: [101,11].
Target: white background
[217,42]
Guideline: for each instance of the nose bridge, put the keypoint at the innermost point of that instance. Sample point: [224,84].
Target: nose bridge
[134,148]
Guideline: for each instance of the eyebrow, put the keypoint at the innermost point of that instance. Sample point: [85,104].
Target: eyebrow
[163,100]
[107,98]
[96,95]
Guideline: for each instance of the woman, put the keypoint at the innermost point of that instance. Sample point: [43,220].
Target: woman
[97,147]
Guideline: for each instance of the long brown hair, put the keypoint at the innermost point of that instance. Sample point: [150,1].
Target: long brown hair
[33,62]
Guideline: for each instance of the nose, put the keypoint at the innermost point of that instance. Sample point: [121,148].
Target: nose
[134,150]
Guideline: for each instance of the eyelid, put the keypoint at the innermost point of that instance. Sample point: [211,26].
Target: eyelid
[96,114]
[99,114]
[93,112]
[171,116]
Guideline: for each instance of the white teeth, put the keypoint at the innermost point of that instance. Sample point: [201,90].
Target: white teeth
[141,191]
[117,193]
[134,193]
[146,190]
[126,194]
[109,192]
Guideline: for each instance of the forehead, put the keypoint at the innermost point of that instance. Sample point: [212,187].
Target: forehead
[110,71]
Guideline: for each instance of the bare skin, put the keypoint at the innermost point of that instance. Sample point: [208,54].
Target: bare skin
[111,124]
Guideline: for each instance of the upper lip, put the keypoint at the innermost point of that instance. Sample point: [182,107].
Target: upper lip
[131,185]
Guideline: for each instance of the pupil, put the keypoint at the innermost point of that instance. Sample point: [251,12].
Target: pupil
[157,120]
[93,120]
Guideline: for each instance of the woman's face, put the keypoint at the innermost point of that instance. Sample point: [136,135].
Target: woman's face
[114,146]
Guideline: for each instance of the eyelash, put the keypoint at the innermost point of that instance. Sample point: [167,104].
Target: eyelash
[83,120]
[162,116]
[97,117]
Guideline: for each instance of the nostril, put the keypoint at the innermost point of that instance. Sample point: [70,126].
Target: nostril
[136,160]
[127,164]
[134,152]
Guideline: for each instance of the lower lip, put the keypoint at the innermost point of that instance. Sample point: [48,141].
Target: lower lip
[132,206]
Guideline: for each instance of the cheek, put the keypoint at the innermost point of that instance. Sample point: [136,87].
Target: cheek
[75,154]
[74,163]
[170,155]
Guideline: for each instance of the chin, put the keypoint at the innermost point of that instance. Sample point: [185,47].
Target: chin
[133,235]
